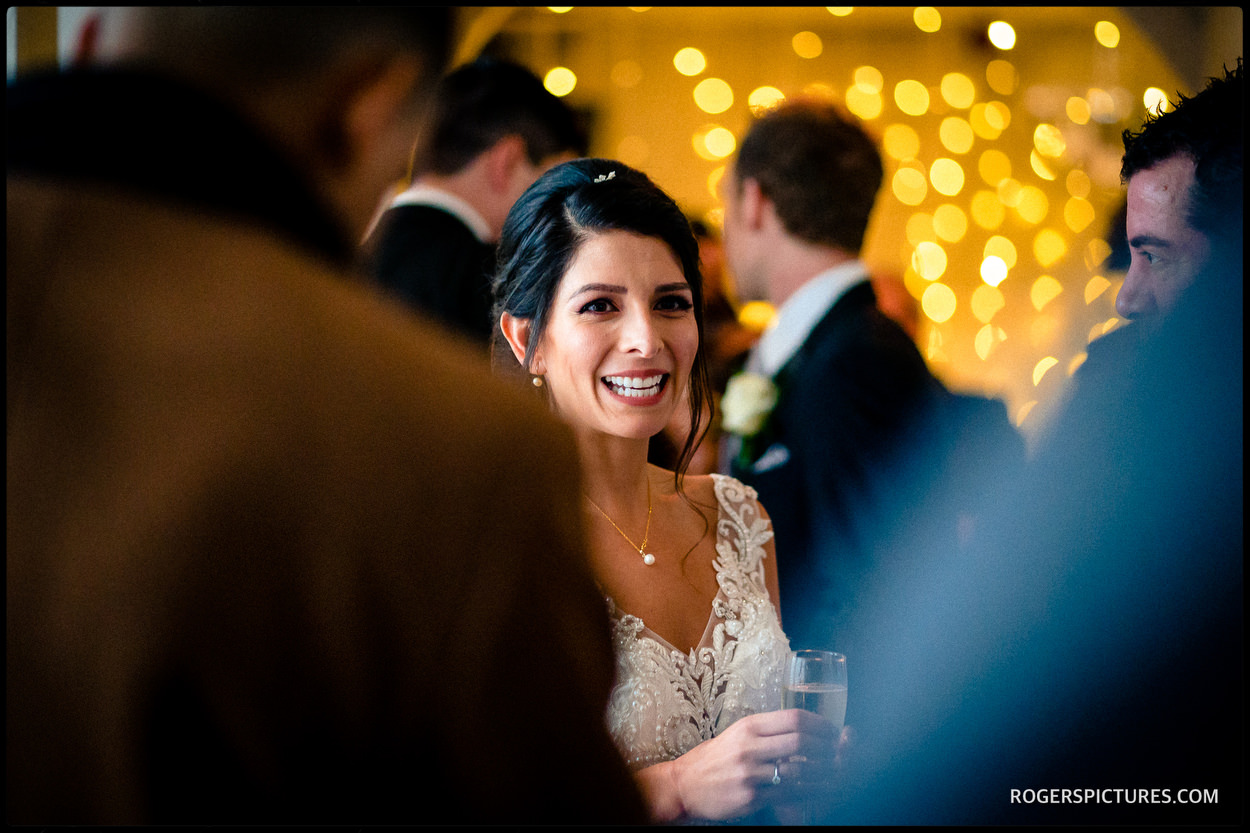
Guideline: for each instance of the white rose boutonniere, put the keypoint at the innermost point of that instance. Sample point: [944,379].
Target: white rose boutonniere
[748,400]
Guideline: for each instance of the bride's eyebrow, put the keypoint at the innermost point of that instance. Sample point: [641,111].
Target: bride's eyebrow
[673,287]
[600,287]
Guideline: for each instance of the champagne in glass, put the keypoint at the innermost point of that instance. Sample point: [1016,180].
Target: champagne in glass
[816,681]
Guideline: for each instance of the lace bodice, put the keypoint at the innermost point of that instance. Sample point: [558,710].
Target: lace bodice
[666,701]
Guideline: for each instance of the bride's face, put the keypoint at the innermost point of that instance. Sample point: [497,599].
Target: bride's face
[621,336]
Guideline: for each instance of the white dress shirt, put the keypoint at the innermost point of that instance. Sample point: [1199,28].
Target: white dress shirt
[800,314]
[438,198]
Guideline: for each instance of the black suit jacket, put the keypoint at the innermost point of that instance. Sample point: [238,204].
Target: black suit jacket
[431,260]
[862,442]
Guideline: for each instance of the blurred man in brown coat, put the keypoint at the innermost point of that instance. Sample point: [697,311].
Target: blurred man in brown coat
[264,561]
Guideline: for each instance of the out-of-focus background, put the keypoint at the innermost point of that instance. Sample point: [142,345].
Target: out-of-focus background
[1000,127]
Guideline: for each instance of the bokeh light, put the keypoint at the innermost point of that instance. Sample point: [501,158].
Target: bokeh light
[1049,140]
[1095,287]
[560,81]
[912,97]
[1040,166]
[869,78]
[956,134]
[1044,290]
[807,45]
[994,166]
[714,142]
[1032,206]
[986,301]
[993,270]
[1002,248]
[1001,76]
[1096,253]
[938,302]
[987,210]
[950,223]
[947,176]
[1078,183]
[987,338]
[909,186]
[958,90]
[865,104]
[689,61]
[929,261]
[1077,110]
[1049,247]
[920,229]
[927,19]
[1156,100]
[901,142]
[713,95]
[1002,35]
[1039,370]
[1078,213]
[840,11]
[1107,33]
[763,98]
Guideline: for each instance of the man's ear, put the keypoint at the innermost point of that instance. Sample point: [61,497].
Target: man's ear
[752,204]
[516,331]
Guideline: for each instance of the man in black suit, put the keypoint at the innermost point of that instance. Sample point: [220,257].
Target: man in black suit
[493,130]
[862,433]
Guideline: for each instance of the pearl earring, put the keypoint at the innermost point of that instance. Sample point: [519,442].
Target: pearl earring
[538,381]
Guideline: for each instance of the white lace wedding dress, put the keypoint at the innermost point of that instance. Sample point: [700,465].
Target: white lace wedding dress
[666,701]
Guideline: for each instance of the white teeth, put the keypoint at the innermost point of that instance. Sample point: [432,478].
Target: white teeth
[635,386]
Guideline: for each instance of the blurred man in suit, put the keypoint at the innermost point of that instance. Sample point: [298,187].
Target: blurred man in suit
[493,129]
[1082,660]
[261,567]
[862,435]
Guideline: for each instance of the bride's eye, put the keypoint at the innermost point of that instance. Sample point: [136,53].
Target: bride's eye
[674,303]
[599,305]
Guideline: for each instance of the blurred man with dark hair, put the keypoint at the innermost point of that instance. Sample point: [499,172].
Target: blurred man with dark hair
[862,437]
[493,129]
[1184,171]
[245,495]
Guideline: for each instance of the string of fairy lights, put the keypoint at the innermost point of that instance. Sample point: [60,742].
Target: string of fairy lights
[998,191]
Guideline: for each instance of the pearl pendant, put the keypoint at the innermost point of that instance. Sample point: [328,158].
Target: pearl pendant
[648,559]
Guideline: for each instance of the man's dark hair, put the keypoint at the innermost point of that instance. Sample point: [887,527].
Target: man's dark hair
[249,46]
[820,169]
[1208,128]
[482,102]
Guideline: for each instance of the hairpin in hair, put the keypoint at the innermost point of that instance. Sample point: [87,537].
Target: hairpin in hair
[605,177]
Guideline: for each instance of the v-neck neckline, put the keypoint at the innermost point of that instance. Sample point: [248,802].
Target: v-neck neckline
[654,636]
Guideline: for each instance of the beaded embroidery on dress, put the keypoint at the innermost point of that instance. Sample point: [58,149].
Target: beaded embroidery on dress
[666,701]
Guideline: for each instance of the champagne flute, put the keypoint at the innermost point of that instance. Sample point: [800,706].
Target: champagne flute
[816,681]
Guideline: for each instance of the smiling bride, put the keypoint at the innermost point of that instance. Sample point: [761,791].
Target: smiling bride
[599,301]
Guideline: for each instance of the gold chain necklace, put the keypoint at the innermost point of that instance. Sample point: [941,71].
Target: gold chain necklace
[647,558]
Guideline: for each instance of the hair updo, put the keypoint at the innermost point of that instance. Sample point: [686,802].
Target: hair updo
[546,227]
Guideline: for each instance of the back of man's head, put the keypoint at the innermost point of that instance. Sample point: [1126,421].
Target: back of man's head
[482,102]
[1209,129]
[820,169]
[241,50]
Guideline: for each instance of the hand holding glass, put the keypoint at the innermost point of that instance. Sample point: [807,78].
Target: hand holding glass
[815,681]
